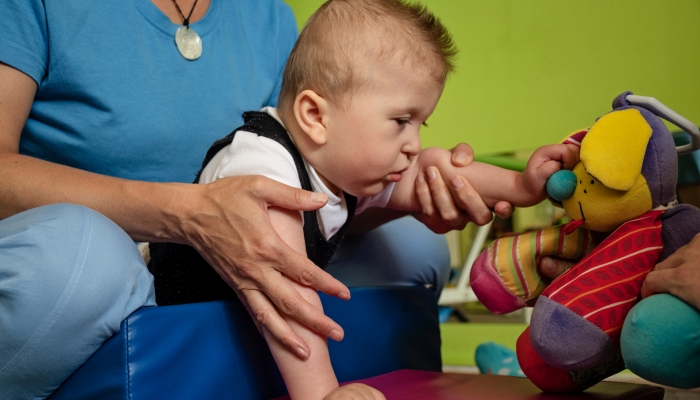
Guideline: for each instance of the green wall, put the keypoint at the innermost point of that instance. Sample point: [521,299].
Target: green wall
[530,72]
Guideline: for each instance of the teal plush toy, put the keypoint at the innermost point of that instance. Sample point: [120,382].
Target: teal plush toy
[661,341]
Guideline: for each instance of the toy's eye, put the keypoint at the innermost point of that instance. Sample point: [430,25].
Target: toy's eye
[592,181]
[580,182]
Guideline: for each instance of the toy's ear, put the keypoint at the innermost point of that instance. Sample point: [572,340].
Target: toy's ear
[613,149]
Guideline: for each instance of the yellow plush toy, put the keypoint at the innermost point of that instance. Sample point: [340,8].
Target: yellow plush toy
[622,200]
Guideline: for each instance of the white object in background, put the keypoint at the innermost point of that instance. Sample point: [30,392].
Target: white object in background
[462,293]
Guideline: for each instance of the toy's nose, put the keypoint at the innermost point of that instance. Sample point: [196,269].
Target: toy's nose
[561,185]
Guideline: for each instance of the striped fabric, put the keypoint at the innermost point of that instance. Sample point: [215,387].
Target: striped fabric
[516,258]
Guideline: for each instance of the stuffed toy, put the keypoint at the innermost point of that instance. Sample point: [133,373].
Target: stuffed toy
[621,198]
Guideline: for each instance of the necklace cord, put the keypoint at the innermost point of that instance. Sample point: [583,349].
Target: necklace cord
[185,21]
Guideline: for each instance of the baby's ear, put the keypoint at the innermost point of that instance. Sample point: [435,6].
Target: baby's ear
[310,112]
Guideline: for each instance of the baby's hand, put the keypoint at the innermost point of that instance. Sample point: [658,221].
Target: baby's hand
[355,391]
[544,162]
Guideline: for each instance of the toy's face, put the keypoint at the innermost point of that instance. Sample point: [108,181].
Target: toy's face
[604,209]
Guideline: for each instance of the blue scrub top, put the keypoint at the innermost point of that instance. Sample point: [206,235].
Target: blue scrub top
[115,96]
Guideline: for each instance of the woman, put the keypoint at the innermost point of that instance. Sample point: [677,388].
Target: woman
[106,107]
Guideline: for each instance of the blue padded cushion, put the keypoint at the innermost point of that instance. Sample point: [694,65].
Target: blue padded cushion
[213,350]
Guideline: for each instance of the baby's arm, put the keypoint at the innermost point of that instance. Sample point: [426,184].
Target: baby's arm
[313,378]
[493,183]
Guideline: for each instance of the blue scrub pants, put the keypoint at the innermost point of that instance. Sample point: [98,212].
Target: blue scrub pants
[69,276]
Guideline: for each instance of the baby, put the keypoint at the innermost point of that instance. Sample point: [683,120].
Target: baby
[362,78]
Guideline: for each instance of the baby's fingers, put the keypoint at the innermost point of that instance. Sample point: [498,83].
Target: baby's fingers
[553,267]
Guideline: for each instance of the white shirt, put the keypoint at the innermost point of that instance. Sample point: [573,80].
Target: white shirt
[250,154]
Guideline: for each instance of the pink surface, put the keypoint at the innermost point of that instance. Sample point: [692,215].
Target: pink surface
[408,384]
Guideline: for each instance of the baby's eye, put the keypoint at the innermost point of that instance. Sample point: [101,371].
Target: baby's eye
[402,121]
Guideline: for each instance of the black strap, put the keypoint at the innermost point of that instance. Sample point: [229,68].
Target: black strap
[318,248]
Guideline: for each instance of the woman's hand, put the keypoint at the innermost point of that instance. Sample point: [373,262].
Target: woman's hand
[445,207]
[227,222]
[679,275]
[355,391]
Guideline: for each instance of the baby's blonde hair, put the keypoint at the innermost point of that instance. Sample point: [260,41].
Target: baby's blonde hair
[345,37]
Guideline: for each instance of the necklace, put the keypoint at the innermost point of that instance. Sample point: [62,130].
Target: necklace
[188,42]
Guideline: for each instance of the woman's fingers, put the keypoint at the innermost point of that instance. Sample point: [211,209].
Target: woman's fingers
[451,205]
[503,209]
[442,198]
[424,197]
[267,295]
[265,315]
[289,301]
[438,209]
[679,275]
[234,234]
[300,269]
[462,155]
[682,282]
[274,193]
[289,262]
[470,201]
[660,281]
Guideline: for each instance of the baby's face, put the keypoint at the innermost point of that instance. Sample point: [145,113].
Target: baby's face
[373,139]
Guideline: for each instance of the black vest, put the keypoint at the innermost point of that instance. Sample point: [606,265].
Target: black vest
[183,276]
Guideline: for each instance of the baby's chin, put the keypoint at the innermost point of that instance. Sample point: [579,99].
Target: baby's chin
[370,190]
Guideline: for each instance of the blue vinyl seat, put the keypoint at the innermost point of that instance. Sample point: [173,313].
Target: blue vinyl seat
[213,350]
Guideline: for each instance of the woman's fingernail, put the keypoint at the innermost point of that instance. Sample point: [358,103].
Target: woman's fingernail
[420,178]
[457,182]
[461,157]
[344,296]
[301,353]
[318,198]
[336,335]
[432,173]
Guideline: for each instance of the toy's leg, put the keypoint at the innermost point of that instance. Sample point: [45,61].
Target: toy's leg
[495,359]
[661,341]
[68,276]
[403,252]
[504,277]
[552,379]
[577,320]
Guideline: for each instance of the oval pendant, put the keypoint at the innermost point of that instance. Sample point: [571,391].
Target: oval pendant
[188,43]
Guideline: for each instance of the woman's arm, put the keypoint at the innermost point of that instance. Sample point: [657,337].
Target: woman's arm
[227,221]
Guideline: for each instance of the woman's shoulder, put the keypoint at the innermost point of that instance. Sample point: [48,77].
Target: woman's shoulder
[274,12]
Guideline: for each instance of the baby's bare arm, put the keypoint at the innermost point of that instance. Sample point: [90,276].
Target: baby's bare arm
[313,378]
[493,183]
